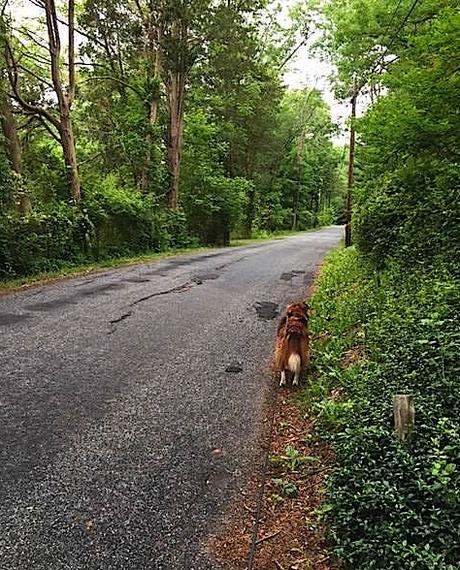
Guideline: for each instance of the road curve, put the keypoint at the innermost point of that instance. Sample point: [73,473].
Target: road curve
[131,402]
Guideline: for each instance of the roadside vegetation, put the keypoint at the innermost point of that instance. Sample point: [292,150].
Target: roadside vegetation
[387,311]
[389,505]
[133,127]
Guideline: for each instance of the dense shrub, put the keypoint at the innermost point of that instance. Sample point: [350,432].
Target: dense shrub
[42,241]
[407,202]
[327,217]
[390,505]
[111,222]
[213,202]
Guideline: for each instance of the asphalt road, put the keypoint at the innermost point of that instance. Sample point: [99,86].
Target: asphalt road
[131,403]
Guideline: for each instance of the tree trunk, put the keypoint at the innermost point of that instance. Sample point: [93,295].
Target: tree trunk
[65,97]
[152,53]
[144,178]
[176,92]
[14,153]
[70,155]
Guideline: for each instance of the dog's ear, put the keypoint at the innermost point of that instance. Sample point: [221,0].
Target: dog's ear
[307,308]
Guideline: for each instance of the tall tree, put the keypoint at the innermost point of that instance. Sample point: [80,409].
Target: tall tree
[61,121]
[181,26]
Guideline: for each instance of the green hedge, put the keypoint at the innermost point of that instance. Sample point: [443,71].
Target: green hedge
[389,505]
[106,225]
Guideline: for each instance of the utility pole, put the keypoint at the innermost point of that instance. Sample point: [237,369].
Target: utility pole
[351,168]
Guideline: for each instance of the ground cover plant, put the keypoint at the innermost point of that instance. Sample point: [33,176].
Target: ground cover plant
[390,505]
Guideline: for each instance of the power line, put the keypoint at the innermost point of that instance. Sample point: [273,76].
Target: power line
[393,17]
[403,23]
[392,40]
[293,52]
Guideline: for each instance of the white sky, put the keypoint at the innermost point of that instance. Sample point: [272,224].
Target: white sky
[306,69]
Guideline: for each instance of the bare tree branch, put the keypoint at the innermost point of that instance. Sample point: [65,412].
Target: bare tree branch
[33,74]
[13,76]
[30,120]
[32,36]
[56,136]
[54,46]
[64,23]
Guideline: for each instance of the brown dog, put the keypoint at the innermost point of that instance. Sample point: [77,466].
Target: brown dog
[292,354]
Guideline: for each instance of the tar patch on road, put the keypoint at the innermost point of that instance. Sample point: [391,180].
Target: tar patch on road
[50,305]
[103,289]
[266,311]
[199,279]
[234,368]
[10,319]
[290,276]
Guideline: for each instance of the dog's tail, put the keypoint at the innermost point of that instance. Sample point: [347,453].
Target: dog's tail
[295,363]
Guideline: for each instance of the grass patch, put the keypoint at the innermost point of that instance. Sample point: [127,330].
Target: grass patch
[389,505]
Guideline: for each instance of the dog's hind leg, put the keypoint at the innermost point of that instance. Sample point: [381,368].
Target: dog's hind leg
[283,378]
[295,382]
[295,366]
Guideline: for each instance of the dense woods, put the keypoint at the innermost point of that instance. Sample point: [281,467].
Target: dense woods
[389,308]
[137,126]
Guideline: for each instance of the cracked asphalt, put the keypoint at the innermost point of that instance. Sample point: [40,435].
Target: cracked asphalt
[131,404]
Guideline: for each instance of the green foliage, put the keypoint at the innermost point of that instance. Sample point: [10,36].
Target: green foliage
[8,186]
[396,303]
[213,202]
[407,179]
[254,158]
[327,217]
[113,222]
[306,181]
[41,241]
[286,488]
[390,505]
[292,459]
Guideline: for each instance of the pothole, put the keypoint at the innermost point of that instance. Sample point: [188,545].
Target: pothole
[291,274]
[198,279]
[136,280]
[266,310]
[234,368]
[286,277]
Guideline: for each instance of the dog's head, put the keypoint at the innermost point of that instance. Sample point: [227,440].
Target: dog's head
[299,310]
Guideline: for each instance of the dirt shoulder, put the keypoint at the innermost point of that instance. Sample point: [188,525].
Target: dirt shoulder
[275,524]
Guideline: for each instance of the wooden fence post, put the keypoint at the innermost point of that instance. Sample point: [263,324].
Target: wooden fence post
[404,414]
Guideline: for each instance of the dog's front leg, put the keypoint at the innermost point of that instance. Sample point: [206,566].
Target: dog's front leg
[283,378]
